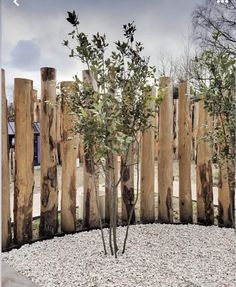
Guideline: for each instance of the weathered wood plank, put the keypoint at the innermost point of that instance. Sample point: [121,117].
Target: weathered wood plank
[204,180]
[48,147]
[147,211]
[165,156]
[6,220]
[68,157]
[24,160]
[185,143]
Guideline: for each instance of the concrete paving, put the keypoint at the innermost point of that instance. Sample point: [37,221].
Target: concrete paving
[11,278]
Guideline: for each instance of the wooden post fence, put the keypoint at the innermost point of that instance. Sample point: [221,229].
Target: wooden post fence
[48,153]
[24,158]
[68,156]
[185,143]
[6,220]
[204,180]
[127,187]
[165,157]
[111,176]
[147,210]
[91,181]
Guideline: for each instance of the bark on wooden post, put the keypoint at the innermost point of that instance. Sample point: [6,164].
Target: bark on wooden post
[48,153]
[204,180]
[127,187]
[147,211]
[165,157]
[68,156]
[24,158]
[91,182]
[110,177]
[6,220]
[185,143]
[226,193]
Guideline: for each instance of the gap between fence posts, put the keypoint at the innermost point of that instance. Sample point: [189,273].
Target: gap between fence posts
[6,220]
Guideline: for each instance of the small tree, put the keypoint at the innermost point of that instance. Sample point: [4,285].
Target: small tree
[111,116]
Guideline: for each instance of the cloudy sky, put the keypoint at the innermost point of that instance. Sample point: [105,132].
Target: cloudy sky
[32,32]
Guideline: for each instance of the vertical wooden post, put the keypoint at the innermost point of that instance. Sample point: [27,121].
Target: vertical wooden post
[48,153]
[91,182]
[226,195]
[204,181]
[111,176]
[147,211]
[68,156]
[185,143]
[6,220]
[127,186]
[59,129]
[24,157]
[165,157]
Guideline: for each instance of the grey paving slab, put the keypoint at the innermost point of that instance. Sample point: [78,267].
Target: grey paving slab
[11,278]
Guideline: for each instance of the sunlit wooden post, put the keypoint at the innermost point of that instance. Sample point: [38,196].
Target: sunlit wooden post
[185,143]
[165,157]
[48,154]
[204,180]
[24,157]
[68,156]
[6,220]
[91,181]
[147,211]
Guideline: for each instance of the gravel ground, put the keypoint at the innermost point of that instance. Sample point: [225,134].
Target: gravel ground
[156,255]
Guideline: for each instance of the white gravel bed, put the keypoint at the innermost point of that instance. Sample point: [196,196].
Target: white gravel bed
[156,255]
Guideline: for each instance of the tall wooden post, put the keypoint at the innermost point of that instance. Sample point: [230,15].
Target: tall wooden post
[127,187]
[59,129]
[147,211]
[68,156]
[91,182]
[165,157]
[6,220]
[204,181]
[24,157]
[111,176]
[226,194]
[48,153]
[185,143]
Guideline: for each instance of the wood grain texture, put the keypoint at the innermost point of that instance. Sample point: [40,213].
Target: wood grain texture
[48,146]
[165,156]
[204,180]
[185,144]
[24,160]
[147,211]
[68,157]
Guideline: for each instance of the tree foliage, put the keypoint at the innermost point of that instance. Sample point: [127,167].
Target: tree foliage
[113,108]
